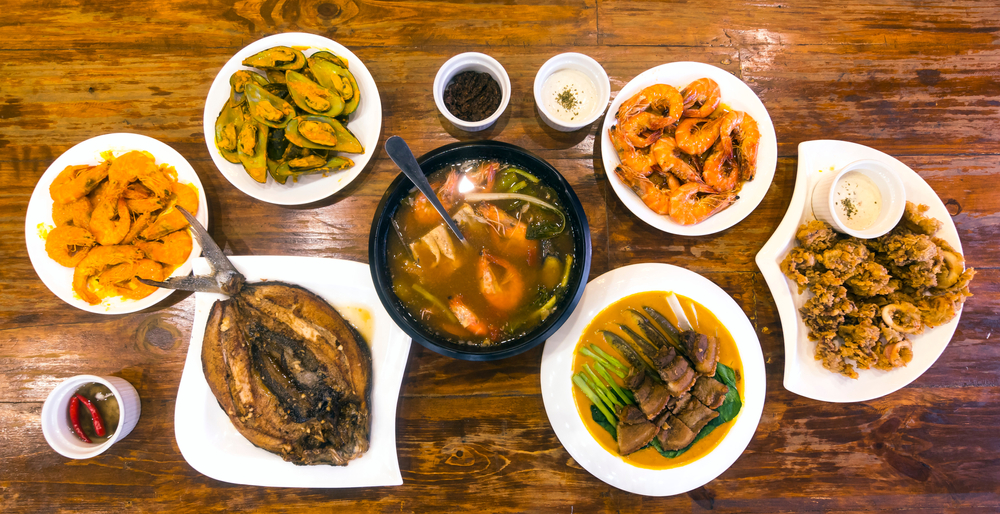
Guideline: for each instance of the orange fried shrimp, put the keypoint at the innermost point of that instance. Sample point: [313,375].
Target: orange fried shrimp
[97,260]
[186,196]
[638,160]
[68,245]
[110,221]
[170,220]
[172,250]
[664,100]
[137,165]
[75,182]
[664,152]
[140,199]
[139,224]
[500,282]
[655,198]
[696,135]
[76,213]
[689,204]
[122,278]
[703,93]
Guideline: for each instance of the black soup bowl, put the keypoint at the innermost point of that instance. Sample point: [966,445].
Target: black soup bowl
[382,230]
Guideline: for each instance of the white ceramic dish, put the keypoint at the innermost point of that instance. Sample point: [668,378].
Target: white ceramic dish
[211,444]
[736,95]
[57,430]
[804,375]
[38,221]
[557,388]
[583,64]
[365,123]
[890,187]
[471,61]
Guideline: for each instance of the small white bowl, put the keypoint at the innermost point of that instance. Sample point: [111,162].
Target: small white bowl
[592,70]
[890,187]
[55,419]
[471,61]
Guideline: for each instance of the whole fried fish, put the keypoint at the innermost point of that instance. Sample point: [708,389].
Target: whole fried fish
[292,375]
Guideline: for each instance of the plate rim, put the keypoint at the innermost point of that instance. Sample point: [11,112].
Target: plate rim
[767,157]
[565,419]
[307,188]
[194,394]
[829,386]
[39,212]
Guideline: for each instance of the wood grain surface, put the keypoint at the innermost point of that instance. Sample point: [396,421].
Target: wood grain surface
[917,80]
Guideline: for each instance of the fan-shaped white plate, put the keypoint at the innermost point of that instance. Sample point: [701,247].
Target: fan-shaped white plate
[207,438]
[736,95]
[38,221]
[804,375]
[365,123]
[557,385]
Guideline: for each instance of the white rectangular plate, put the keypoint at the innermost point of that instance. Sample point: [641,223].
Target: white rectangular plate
[207,438]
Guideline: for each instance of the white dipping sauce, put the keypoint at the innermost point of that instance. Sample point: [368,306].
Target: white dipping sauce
[857,200]
[569,95]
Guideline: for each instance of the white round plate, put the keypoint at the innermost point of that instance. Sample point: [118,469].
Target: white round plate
[736,95]
[58,278]
[557,386]
[804,375]
[365,123]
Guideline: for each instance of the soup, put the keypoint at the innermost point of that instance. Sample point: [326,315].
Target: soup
[622,314]
[510,273]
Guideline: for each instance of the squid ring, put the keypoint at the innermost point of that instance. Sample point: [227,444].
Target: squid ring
[902,317]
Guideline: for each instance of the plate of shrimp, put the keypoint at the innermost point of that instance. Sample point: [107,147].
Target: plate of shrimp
[104,214]
[689,148]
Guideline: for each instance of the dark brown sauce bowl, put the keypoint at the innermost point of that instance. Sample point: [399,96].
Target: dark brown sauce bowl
[382,230]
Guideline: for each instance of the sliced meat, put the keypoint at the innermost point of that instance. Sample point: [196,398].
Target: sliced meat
[696,415]
[710,391]
[651,396]
[664,356]
[703,351]
[630,415]
[634,436]
[674,434]
[671,366]
[682,383]
[678,402]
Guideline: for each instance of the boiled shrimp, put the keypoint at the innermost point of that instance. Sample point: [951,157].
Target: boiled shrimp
[689,204]
[141,199]
[640,161]
[664,152]
[664,100]
[110,221]
[655,198]
[500,282]
[748,136]
[76,213]
[696,135]
[98,260]
[68,245]
[719,173]
[141,166]
[75,182]
[173,249]
[701,98]
[466,317]
[122,278]
[168,221]
[509,234]
[640,130]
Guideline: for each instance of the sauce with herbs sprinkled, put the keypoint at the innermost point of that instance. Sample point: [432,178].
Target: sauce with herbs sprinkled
[857,200]
[569,95]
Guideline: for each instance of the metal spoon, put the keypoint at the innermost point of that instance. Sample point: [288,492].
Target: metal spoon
[400,154]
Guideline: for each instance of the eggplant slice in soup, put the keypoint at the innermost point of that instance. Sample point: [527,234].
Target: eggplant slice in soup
[293,376]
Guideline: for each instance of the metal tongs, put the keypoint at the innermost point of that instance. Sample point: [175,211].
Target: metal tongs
[225,279]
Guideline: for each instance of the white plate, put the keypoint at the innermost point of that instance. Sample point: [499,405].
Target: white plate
[211,444]
[557,386]
[365,123]
[804,375]
[736,95]
[58,278]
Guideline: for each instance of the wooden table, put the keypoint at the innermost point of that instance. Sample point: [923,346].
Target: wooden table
[920,81]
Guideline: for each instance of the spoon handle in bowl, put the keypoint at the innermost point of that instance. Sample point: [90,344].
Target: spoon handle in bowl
[400,154]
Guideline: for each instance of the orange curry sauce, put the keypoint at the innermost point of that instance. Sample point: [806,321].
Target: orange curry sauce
[703,321]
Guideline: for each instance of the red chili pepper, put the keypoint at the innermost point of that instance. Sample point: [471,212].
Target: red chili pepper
[98,421]
[74,417]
